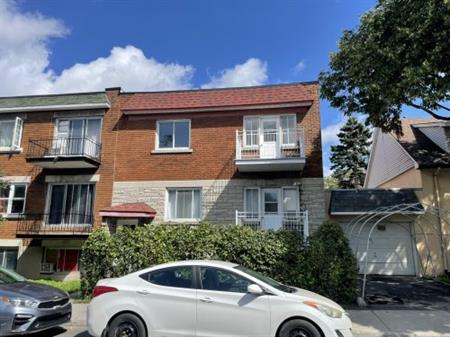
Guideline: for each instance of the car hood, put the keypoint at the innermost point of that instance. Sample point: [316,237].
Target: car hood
[40,292]
[305,295]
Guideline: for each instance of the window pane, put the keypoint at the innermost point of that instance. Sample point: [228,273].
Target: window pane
[197,206]
[251,131]
[172,204]
[182,134]
[184,204]
[270,207]
[56,204]
[19,191]
[289,130]
[251,201]
[165,134]
[4,192]
[222,280]
[179,277]
[271,196]
[10,259]
[290,200]
[6,133]
[17,206]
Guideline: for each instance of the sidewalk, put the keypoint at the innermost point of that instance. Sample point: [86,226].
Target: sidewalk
[366,323]
[400,323]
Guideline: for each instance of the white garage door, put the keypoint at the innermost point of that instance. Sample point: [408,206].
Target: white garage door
[390,250]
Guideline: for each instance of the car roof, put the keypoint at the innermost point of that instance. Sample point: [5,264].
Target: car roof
[212,263]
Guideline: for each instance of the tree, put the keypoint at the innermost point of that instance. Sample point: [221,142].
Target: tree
[331,183]
[398,56]
[349,158]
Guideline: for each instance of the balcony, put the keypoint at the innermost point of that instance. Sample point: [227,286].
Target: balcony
[60,153]
[292,221]
[270,150]
[55,224]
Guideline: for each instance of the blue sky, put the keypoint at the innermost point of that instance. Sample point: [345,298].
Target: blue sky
[56,46]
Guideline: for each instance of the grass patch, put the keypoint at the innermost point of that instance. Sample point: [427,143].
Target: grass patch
[68,286]
[444,278]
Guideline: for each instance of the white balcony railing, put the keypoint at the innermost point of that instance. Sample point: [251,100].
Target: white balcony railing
[293,221]
[270,144]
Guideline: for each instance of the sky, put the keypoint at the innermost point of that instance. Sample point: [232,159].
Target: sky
[54,46]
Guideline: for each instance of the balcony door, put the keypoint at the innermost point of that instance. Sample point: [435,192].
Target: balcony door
[70,204]
[75,137]
[271,207]
[269,138]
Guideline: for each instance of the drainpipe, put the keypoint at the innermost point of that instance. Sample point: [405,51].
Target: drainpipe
[437,196]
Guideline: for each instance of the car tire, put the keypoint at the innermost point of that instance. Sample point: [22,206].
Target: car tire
[299,328]
[127,325]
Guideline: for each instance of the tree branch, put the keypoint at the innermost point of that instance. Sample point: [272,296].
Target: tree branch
[431,112]
[443,107]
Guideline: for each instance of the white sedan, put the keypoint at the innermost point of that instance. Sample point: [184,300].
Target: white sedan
[209,299]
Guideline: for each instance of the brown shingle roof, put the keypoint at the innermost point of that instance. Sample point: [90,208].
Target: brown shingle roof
[222,98]
[138,207]
[424,151]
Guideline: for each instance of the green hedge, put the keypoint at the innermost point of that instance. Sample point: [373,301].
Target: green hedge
[323,264]
[68,286]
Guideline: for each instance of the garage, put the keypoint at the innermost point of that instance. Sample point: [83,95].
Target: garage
[391,245]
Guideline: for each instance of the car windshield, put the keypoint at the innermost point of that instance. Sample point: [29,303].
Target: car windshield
[8,276]
[266,279]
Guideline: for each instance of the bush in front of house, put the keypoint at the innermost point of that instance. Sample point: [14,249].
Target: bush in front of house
[70,287]
[282,255]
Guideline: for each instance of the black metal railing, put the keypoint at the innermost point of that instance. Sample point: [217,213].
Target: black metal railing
[64,147]
[55,223]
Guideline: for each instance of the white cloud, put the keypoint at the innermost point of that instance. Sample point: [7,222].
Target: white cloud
[25,58]
[330,132]
[251,72]
[299,67]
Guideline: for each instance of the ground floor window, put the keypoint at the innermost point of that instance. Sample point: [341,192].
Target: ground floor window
[61,260]
[283,200]
[184,204]
[8,258]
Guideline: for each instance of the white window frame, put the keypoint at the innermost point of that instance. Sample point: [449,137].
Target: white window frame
[297,190]
[167,205]
[10,198]
[57,120]
[49,198]
[16,135]
[173,148]
[259,117]
[259,198]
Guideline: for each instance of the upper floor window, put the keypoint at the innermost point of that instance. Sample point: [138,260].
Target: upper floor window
[12,199]
[10,134]
[184,204]
[259,129]
[173,135]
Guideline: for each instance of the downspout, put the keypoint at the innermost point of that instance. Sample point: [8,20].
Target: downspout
[437,196]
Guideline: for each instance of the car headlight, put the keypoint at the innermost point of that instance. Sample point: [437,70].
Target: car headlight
[19,302]
[325,309]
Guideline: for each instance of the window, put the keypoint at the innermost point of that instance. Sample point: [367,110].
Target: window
[78,136]
[271,197]
[62,259]
[184,204]
[290,200]
[178,277]
[251,201]
[251,133]
[10,134]
[222,280]
[12,199]
[70,204]
[173,134]
[288,128]
[8,258]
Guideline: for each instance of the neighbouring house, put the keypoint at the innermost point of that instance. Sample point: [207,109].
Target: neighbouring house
[419,160]
[247,156]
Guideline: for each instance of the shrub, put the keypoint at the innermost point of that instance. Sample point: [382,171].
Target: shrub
[282,255]
[67,286]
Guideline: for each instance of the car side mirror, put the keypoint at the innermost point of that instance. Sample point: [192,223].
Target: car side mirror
[255,289]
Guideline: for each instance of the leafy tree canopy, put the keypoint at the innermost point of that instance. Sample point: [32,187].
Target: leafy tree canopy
[398,56]
[349,158]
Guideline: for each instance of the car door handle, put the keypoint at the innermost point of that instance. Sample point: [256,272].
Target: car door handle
[144,292]
[206,300]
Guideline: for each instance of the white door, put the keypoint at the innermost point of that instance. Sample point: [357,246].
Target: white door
[225,309]
[271,208]
[269,138]
[390,249]
[168,297]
